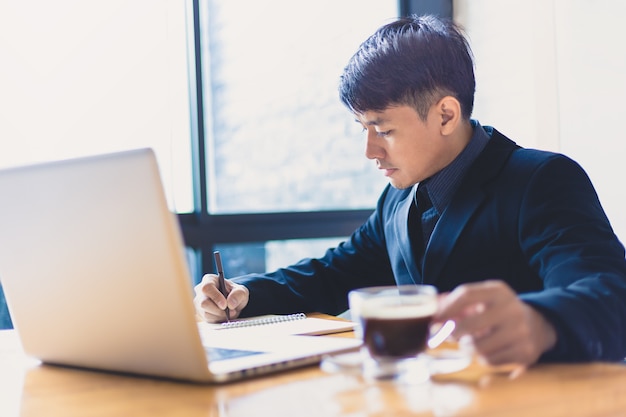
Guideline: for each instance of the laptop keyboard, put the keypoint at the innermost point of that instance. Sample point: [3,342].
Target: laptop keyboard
[217,354]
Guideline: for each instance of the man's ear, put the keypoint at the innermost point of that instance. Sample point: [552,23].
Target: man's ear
[449,111]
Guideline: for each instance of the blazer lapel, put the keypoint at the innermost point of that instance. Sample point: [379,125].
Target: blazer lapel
[447,232]
[466,200]
[406,251]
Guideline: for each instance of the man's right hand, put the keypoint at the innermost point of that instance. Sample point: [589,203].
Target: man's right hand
[210,303]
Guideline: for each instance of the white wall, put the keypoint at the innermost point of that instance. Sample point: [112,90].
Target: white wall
[551,74]
[81,77]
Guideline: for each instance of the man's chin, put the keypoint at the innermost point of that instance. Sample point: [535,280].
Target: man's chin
[400,186]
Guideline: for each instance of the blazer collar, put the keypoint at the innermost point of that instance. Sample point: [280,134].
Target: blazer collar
[464,203]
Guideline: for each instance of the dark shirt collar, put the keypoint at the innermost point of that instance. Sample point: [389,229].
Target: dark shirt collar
[442,186]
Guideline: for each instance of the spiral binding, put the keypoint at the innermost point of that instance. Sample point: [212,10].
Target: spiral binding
[263,321]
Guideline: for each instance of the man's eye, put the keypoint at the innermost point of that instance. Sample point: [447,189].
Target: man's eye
[385,133]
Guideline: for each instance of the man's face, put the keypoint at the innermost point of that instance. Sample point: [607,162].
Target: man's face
[407,149]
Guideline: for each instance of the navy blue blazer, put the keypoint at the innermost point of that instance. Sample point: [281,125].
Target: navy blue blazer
[527,217]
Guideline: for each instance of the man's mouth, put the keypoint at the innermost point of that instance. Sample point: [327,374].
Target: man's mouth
[388,171]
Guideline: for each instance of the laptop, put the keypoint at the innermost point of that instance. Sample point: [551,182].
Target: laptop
[94,271]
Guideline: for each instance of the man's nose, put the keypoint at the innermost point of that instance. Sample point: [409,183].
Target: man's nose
[373,149]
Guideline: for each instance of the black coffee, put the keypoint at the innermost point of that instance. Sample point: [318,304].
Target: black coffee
[395,337]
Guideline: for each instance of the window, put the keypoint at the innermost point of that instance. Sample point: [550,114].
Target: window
[282,173]
[278,138]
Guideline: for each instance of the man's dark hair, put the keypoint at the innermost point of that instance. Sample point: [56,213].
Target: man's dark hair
[414,61]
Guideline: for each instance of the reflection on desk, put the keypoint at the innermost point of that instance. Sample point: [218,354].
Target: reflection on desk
[30,389]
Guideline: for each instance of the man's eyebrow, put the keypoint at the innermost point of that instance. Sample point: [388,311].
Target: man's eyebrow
[374,122]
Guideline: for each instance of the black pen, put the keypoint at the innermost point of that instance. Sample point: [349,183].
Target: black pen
[220,282]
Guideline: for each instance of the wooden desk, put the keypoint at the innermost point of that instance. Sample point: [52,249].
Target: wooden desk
[29,389]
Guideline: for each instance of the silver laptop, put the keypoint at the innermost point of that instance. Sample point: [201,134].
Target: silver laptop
[93,267]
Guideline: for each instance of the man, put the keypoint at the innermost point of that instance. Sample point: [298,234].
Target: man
[516,239]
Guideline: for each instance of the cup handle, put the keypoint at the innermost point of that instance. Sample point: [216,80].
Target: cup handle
[445,361]
[441,335]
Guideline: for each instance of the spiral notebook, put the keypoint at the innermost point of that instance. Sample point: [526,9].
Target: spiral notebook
[290,324]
